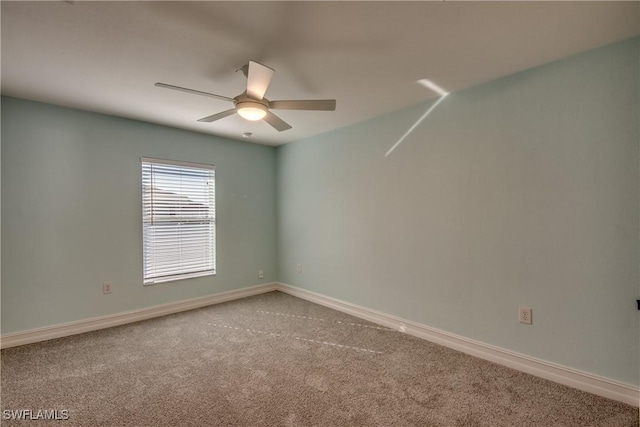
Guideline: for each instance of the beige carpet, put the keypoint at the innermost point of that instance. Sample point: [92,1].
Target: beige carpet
[280,361]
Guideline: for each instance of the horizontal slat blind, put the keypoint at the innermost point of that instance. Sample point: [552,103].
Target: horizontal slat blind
[178,220]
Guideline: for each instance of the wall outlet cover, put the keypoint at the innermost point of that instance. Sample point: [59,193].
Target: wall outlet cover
[106,288]
[524,315]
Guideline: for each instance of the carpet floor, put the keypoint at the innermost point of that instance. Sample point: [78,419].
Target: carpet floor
[277,360]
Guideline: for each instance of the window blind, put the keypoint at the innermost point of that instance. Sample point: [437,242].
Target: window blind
[178,220]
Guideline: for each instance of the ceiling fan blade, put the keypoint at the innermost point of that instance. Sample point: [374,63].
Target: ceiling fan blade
[197,92]
[258,79]
[309,104]
[218,116]
[275,121]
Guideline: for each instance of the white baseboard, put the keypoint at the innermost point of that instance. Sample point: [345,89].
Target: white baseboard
[95,323]
[601,386]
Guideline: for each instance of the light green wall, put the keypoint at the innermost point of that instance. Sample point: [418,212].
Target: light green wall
[71,213]
[522,191]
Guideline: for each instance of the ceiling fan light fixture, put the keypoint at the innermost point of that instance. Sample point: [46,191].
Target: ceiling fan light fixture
[251,110]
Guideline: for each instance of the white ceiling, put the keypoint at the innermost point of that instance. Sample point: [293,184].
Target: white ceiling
[106,56]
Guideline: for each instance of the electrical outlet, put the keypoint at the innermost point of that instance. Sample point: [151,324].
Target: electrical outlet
[260,274]
[299,268]
[106,288]
[524,315]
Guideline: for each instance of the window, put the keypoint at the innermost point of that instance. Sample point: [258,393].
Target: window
[178,220]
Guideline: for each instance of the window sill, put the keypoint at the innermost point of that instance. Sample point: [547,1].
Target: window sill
[157,280]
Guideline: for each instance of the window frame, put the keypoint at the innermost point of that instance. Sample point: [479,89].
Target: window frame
[147,221]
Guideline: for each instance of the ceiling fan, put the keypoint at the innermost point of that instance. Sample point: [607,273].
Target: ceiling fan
[252,105]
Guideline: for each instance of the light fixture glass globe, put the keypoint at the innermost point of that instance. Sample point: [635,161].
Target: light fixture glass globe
[252,110]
